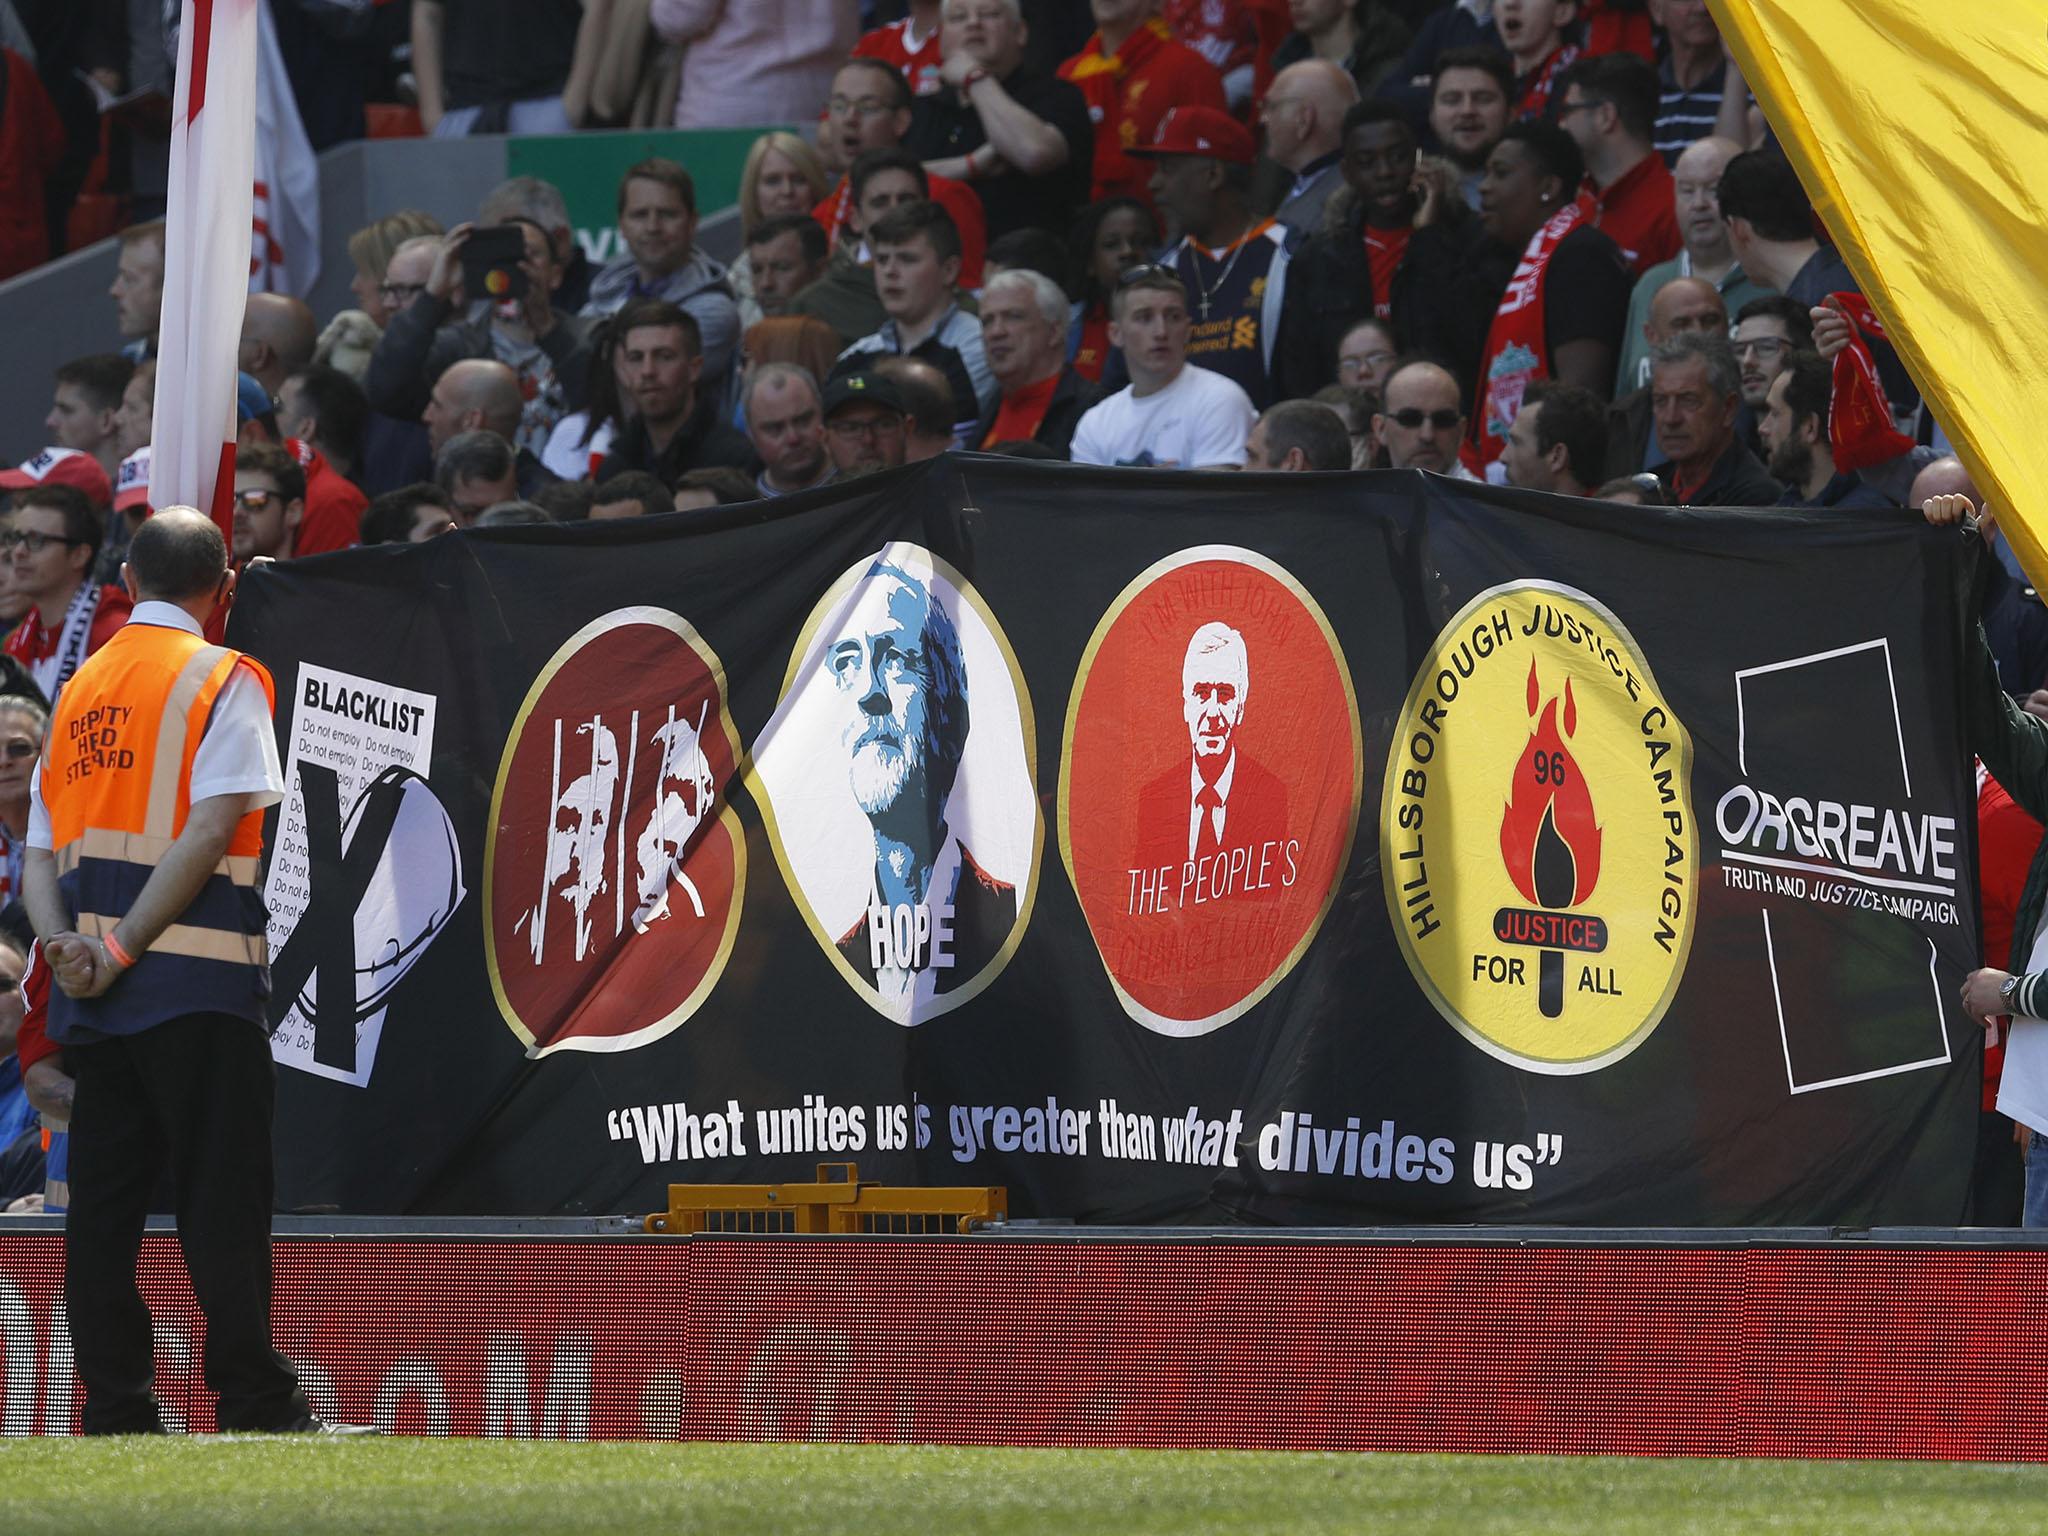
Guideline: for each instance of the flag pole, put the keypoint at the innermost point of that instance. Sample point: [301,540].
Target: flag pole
[207,223]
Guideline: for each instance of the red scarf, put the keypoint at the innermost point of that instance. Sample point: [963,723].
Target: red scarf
[1543,80]
[1518,345]
[1860,428]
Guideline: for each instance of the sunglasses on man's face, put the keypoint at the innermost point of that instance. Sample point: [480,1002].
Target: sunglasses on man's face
[1412,419]
[18,749]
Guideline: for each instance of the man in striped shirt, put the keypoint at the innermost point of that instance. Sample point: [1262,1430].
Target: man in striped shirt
[1694,77]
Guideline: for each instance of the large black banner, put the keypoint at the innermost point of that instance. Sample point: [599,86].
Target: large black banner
[1165,847]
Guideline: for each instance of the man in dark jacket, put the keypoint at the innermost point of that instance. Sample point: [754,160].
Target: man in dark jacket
[675,428]
[1695,391]
[548,349]
[1345,272]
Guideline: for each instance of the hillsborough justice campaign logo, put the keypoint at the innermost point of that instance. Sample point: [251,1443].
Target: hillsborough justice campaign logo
[896,783]
[1536,833]
[1209,785]
[613,875]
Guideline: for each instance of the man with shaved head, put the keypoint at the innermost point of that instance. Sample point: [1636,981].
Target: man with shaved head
[1304,118]
[1423,421]
[1703,234]
[278,336]
[154,936]
[476,395]
[1684,305]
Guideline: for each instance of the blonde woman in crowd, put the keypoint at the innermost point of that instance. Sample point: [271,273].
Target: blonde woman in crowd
[352,335]
[782,176]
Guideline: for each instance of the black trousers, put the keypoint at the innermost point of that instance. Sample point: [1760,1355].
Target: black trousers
[194,1092]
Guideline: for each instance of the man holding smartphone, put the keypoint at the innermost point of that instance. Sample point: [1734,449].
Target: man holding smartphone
[509,282]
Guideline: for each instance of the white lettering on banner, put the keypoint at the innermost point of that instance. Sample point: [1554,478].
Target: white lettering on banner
[668,1132]
[904,937]
[355,729]
[565,1403]
[1865,837]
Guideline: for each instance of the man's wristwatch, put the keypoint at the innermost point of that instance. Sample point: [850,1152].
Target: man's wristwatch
[2009,989]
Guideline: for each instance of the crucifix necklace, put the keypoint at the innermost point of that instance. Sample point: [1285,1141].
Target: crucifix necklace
[1207,290]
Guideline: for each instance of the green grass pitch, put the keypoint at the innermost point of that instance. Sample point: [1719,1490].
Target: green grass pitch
[422,1487]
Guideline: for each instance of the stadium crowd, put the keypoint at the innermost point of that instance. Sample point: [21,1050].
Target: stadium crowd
[1545,243]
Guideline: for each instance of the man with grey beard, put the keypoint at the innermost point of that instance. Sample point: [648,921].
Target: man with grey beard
[935,918]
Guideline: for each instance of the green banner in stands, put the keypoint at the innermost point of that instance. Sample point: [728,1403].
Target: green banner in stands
[587,167]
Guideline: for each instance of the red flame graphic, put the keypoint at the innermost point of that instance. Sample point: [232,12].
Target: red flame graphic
[1549,788]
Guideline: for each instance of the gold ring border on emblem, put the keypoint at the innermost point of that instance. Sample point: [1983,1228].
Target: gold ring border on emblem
[619,618]
[1158,1023]
[1027,722]
[1548,1066]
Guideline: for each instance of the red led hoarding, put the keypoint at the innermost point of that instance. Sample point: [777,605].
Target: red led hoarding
[1834,1350]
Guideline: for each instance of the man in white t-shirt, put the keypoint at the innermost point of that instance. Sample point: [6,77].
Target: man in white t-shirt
[1171,415]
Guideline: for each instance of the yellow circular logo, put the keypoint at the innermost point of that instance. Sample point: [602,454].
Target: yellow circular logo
[1536,831]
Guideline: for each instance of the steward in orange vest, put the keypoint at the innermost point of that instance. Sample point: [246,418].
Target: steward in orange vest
[145,829]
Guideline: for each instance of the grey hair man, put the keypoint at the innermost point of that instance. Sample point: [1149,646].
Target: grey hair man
[1024,320]
[1695,392]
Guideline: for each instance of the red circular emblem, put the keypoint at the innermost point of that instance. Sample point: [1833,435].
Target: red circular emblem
[1209,785]
[614,870]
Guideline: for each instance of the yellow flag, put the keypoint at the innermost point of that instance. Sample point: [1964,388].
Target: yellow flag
[1918,128]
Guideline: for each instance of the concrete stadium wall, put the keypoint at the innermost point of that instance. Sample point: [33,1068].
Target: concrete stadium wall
[62,310]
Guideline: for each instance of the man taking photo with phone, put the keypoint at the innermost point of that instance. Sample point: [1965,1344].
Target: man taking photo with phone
[509,283]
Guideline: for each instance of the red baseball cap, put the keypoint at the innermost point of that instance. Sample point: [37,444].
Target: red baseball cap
[61,466]
[1204,131]
[132,490]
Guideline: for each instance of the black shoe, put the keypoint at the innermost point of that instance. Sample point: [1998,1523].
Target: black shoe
[313,1424]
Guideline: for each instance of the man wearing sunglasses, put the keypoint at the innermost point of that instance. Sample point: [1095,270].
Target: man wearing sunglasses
[50,540]
[1424,421]
[270,500]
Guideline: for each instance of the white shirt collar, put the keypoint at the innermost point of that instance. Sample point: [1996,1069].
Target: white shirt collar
[1479,10]
[167,615]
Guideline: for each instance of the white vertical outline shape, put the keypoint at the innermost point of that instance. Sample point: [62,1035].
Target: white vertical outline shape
[1792,1082]
[1891,684]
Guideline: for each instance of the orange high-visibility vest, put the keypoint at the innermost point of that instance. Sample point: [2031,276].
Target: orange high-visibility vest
[117,780]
